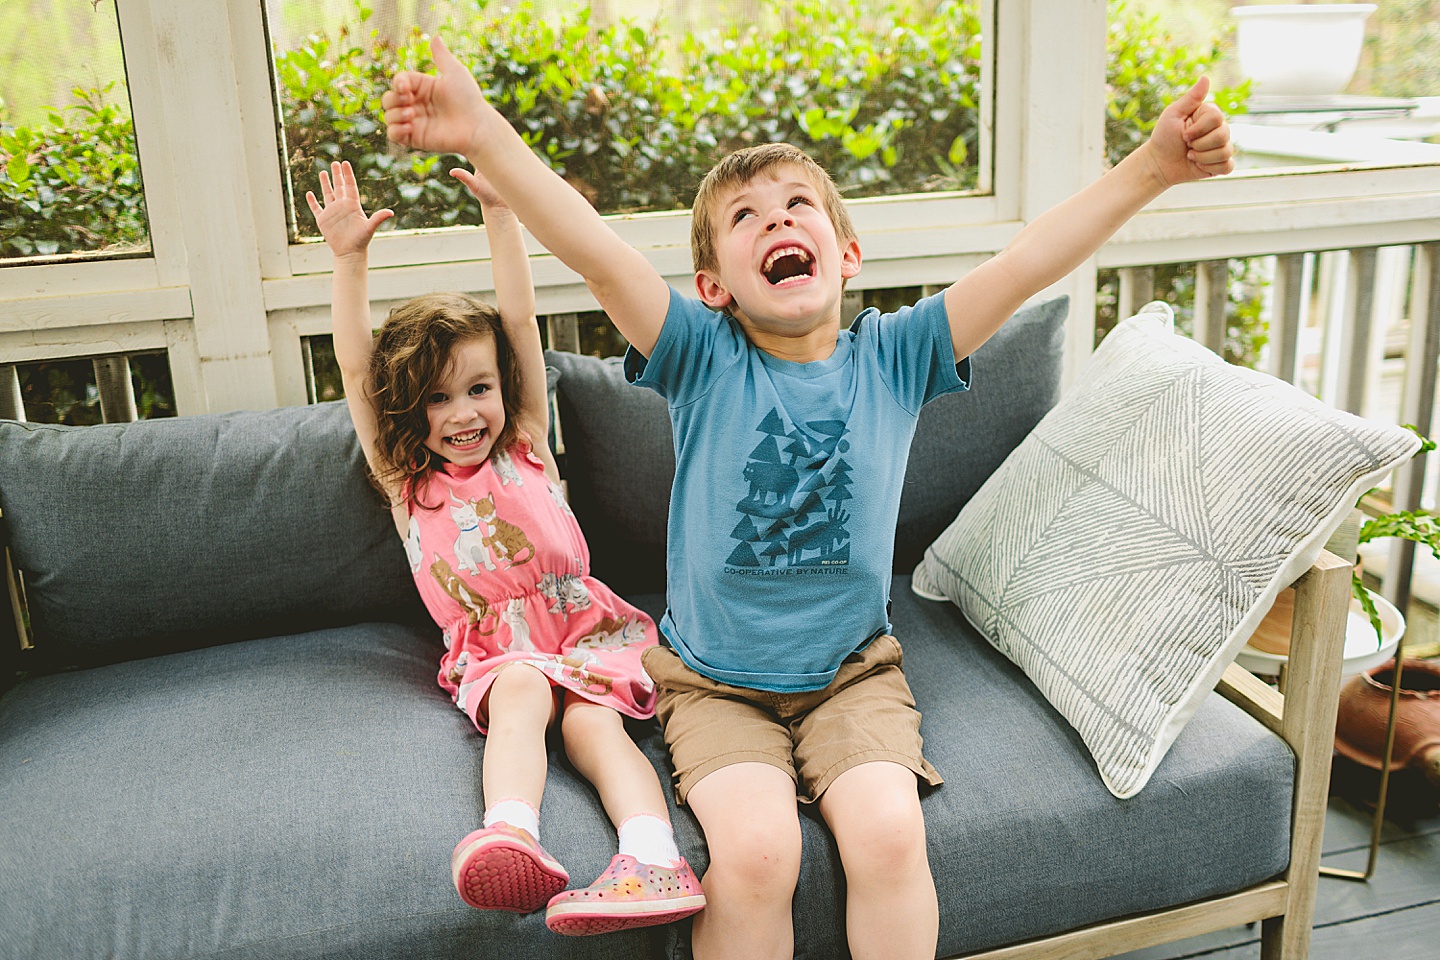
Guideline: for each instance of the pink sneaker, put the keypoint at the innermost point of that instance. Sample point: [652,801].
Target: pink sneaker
[628,894]
[504,868]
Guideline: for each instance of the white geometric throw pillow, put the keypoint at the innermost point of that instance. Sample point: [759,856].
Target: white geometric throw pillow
[1125,551]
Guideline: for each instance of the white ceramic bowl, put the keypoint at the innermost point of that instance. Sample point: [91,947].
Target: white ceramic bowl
[1300,50]
[1362,650]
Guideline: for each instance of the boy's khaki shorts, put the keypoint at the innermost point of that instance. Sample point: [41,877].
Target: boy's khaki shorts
[866,713]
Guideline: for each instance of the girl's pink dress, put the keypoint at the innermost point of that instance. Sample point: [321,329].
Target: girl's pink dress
[504,569]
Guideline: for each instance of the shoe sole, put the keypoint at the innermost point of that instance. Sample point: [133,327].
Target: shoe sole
[584,919]
[500,874]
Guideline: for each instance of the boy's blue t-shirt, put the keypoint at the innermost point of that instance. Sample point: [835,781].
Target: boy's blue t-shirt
[787,487]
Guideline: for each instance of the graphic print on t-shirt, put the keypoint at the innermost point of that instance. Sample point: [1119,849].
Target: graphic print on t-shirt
[794,515]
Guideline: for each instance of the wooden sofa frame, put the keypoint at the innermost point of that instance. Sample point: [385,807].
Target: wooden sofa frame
[1304,717]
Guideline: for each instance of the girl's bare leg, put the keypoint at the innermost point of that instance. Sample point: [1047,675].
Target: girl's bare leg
[518,708]
[601,749]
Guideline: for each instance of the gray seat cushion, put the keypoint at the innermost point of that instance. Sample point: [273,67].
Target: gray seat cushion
[1024,839]
[299,797]
[292,797]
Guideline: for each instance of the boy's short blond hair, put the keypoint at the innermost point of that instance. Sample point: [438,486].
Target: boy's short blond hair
[739,169]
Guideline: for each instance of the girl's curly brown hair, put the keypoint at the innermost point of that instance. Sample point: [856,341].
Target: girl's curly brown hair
[412,351]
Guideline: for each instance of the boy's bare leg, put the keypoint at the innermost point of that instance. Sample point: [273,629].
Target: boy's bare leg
[597,743]
[753,831]
[890,906]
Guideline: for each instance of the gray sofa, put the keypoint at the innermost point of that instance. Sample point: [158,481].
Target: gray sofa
[227,741]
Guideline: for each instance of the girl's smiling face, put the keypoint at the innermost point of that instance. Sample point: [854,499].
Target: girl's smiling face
[465,409]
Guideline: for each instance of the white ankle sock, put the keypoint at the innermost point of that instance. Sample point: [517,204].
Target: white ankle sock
[649,839]
[515,812]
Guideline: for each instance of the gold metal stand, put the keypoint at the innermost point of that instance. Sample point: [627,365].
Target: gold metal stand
[1386,763]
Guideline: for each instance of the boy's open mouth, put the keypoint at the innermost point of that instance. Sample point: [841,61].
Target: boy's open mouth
[786,264]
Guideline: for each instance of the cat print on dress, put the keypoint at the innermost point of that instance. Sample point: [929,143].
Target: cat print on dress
[456,673]
[558,496]
[504,538]
[470,549]
[612,634]
[413,553]
[565,591]
[477,608]
[514,617]
[505,469]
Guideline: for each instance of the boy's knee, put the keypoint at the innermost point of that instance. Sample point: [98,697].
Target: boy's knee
[763,856]
[893,839]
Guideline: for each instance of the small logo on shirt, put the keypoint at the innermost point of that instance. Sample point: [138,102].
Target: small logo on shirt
[793,518]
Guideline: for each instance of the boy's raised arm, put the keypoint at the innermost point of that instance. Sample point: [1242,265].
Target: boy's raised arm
[447,113]
[1191,141]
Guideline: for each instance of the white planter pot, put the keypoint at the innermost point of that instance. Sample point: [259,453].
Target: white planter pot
[1301,51]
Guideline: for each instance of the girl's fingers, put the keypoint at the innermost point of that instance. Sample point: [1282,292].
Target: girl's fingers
[314,204]
[326,189]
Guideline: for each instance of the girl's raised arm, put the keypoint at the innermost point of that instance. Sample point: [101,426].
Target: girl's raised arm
[348,231]
[515,296]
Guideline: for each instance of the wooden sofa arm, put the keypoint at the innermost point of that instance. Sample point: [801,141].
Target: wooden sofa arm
[1317,643]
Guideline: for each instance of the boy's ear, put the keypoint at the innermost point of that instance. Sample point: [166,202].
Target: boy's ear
[850,258]
[712,293]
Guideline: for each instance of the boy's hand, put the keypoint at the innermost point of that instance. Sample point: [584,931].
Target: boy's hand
[438,113]
[341,219]
[1191,140]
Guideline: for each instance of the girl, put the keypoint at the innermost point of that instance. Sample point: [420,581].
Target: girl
[449,403]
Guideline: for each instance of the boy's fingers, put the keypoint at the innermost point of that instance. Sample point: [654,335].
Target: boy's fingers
[1216,139]
[1191,100]
[441,54]
[314,204]
[326,190]
[380,216]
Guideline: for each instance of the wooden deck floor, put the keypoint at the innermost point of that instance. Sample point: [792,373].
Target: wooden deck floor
[1395,916]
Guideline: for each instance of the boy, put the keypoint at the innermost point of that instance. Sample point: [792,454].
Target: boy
[791,437]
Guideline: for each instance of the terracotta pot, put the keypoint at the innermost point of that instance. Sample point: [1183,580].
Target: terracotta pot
[1365,711]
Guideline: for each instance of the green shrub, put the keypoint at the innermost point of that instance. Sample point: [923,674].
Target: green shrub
[71,184]
[885,99]
[1145,69]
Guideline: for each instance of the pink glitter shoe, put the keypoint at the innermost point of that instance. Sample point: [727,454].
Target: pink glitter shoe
[504,868]
[628,894]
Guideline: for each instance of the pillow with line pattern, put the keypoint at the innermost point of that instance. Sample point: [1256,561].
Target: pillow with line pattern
[1126,550]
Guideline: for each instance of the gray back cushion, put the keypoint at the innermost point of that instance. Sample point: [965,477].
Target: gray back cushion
[620,452]
[151,537]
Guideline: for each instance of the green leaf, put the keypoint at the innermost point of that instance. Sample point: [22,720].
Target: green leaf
[958,151]
[18,169]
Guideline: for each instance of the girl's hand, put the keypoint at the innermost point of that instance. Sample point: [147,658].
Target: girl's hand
[1191,140]
[480,188]
[341,219]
